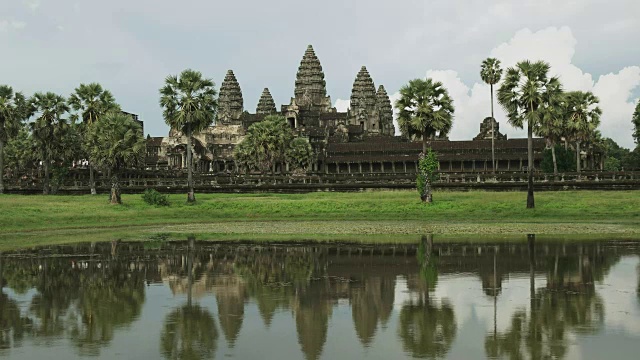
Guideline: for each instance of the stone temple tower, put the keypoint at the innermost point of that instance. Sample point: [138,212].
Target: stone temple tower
[266,105]
[311,90]
[385,112]
[363,102]
[230,104]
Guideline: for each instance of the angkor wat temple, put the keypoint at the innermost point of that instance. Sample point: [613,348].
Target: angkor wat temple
[361,140]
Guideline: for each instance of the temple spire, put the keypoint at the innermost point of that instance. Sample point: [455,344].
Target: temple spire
[266,105]
[363,93]
[230,101]
[310,88]
[385,111]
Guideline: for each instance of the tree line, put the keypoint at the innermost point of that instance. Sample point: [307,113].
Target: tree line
[531,98]
[55,131]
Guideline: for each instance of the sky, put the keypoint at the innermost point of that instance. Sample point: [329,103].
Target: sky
[130,46]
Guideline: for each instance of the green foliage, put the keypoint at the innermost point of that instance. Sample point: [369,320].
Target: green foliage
[153,197]
[490,71]
[93,102]
[116,142]
[635,120]
[188,101]
[566,160]
[425,109]
[299,155]
[271,141]
[18,153]
[583,114]
[612,164]
[527,91]
[428,171]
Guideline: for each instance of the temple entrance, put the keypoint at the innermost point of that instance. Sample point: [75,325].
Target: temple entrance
[292,122]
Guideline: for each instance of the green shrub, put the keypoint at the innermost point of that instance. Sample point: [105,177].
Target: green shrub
[566,160]
[153,197]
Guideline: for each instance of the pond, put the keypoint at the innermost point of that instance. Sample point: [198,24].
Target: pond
[204,300]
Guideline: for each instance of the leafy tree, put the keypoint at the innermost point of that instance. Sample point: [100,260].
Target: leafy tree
[635,119]
[554,124]
[425,110]
[526,92]
[490,72]
[14,109]
[584,117]
[564,160]
[115,143]
[93,102]
[427,330]
[299,155]
[50,131]
[427,175]
[18,151]
[189,105]
[612,164]
[267,142]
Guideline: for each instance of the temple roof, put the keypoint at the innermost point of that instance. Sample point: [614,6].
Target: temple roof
[385,110]
[266,105]
[310,85]
[230,93]
[363,88]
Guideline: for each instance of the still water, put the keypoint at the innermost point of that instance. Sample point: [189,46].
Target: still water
[198,300]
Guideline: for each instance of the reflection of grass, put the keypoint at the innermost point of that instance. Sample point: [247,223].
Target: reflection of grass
[384,216]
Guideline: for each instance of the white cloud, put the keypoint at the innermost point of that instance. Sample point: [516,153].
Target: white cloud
[557,47]
[6,25]
[33,5]
[342,105]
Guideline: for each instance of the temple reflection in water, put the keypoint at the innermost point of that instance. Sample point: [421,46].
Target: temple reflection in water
[528,299]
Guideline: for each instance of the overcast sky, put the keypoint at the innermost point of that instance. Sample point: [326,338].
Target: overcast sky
[130,46]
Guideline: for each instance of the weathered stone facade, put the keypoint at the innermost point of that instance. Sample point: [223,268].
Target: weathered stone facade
[360,140]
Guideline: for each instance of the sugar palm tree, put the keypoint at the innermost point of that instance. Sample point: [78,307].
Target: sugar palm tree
[14,108]
[189,105]
[115,143]
[553,125]
[49,130]
[584,117]
[93,102]
[635,119]
[490,72]
[524,94]
[425,110]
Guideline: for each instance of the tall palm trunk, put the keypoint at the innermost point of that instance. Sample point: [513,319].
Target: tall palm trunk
[530,200]
[45,187]
[1,166]
[115,197]
[426,196]
[555,162]
[92,181]
[578,165]
[191,197]
[493,136]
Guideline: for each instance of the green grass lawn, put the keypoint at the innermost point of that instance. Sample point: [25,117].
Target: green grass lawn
[382,215]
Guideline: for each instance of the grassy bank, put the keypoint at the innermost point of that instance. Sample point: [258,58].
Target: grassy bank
[388,216]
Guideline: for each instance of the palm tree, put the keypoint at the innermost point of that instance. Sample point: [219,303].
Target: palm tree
[189,105]
[14,108]
[49,130]
[490,72]
[115,143]
[525,93]
[635,119]
[425,110]
[584,117]
[93,102]
[553,125]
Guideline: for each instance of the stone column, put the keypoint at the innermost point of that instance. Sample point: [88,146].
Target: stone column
[360,167]
[404,164]
[349,167]
[393,167]
[382,166]
[337,168]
